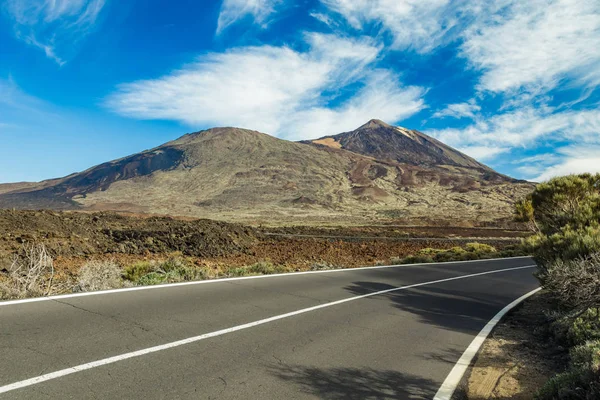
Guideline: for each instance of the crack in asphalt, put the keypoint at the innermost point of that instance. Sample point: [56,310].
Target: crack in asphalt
[124,322]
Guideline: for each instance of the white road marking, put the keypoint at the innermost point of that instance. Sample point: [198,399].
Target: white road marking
[218,280]
[449,386]
[110,360]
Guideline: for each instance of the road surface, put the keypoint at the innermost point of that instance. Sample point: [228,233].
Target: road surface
[349,334]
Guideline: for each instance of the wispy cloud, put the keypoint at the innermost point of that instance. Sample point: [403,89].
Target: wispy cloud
[534,44]
[530,128]
[277,90]
[525,128]
[54,26]
[459,110]
[574,160]
[234,10]
[420,25]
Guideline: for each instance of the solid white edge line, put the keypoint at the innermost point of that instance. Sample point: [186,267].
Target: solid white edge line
[453,379]
[218,280]
[110,360]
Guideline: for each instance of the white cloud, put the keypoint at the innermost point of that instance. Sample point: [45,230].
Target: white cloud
[483,152]
[324,18]
[534,43]
[458,110]
[233,10]
[53,25]
[276,90]
[420,25]
[381,98]
[576,160]
[524,128]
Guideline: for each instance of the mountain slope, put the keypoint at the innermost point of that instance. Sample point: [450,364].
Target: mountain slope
[244,175]
[385,142]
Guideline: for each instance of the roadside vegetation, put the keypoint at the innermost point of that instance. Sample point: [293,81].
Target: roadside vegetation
[564,213]
[471,251]
[29,274]
[33,274]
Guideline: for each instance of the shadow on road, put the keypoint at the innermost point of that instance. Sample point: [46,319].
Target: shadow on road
[355,384]
[457,310]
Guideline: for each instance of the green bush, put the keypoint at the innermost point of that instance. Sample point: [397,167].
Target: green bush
[152,278]
[237,272]
[428,251]
[471,251]
[586,355]
[170,271]
[565,212]
[480,248]
[260,268]
[581,383]
[572,201]
[585,327]
[134,272]
[568,244]
[266,268]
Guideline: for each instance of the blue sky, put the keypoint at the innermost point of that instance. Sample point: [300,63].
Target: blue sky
[511,83]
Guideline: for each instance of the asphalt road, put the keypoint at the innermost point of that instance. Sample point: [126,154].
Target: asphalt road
[398,344]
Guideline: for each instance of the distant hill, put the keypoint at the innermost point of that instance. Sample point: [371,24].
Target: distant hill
[375,173]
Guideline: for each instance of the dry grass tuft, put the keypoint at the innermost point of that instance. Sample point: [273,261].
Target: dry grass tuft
[30,274]
[99,275]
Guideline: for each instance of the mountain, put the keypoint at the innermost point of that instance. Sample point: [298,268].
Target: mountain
[385,142]
[377,172]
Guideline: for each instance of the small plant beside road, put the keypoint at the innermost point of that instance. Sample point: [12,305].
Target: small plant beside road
[30,274]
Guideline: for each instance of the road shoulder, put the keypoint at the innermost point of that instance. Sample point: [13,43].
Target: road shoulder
[517,358]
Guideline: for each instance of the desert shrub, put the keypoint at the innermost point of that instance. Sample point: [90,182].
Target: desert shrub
[30,274]
[170,271]
[568,244]
[153,278]
[428,251]
[586,355]
[471,251]
[99,275]
[572,201]
[322,266]
[524,212]
[514,251]
[480,248]
[266,268]
[135,271]
[237,272]
[585,327]
[582,379]
[574,283]
[582,383]
[259,268]
[417,260]
[565,212]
